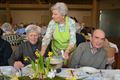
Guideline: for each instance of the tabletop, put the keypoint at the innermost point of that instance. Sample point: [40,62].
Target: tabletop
[86,73]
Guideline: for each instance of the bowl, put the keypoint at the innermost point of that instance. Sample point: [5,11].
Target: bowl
[56,61]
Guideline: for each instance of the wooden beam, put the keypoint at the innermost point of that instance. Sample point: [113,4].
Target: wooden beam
[42,6]
[95,14]
[8,13]
[38,1]
[78,6]
[26,6]
[109,7]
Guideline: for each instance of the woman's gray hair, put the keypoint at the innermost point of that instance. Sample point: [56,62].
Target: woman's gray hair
[33,28]
[61,7]
[6,27]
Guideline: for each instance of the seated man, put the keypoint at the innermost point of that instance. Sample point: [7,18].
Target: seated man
[91,53]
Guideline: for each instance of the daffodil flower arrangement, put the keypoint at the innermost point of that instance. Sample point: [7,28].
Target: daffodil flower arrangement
[41,66]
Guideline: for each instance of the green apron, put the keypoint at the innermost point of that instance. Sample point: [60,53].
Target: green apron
[60,39]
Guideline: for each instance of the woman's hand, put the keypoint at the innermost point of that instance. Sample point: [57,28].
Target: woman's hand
[18,64]
[43,49]
[66,55]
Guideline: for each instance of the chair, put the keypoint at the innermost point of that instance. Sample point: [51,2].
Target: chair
[116,64]
[111,57]
[13,48]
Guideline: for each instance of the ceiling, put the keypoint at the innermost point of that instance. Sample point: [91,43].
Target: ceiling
[46,1]
[54,1]
[27,3]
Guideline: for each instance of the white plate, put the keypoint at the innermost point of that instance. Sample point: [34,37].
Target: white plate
[89,69]
[76,72]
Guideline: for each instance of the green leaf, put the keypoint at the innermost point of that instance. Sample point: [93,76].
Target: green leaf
[33,65]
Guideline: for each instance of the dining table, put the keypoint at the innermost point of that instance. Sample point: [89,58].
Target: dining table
[90,74]
[85,73]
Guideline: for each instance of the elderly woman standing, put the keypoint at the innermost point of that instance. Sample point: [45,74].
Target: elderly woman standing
[27,48]
[61,31]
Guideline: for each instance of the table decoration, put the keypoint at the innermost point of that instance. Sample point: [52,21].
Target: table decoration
[47,78]
[40,66]
[4,77]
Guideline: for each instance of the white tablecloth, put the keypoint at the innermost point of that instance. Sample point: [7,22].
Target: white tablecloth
[65,72]
[99,75]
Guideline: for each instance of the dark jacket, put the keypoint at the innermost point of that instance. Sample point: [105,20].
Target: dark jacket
[5,52]
[79,39]
[25,49]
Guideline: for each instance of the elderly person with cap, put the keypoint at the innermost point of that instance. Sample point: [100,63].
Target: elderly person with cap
[7,28]
[61,31]
[27,48]
[10,36]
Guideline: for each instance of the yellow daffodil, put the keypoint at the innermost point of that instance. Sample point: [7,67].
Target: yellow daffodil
[73,78]
[37,53]
[39,65]
[50,54]
[25,58]
[35,75]
[14,78]
[69,71]
[36,60]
